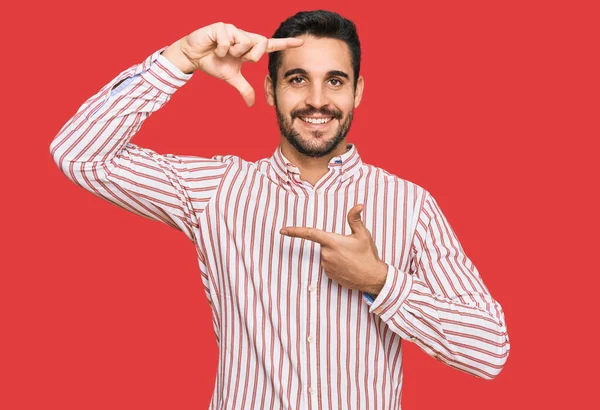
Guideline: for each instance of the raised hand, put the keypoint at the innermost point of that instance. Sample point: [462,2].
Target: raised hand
[351,260]
[220,49]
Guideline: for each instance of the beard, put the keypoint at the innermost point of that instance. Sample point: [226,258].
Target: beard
[310,147]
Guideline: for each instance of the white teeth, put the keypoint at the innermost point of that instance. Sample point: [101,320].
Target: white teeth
[316,120]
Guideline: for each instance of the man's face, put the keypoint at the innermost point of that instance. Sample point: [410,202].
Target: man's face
[315,96]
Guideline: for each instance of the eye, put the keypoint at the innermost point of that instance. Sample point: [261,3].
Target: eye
[337,82]
[293,80]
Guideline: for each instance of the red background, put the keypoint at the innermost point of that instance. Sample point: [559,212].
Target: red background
[491,107]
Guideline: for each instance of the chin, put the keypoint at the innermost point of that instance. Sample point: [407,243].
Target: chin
[314,146]
[320,141]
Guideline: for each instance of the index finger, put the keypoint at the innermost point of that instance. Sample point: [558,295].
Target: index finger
[278,44]
[312,234]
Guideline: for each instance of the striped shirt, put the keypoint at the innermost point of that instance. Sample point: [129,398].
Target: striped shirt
[289,337]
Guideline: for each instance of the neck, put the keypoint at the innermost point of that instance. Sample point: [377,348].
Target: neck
[311,169]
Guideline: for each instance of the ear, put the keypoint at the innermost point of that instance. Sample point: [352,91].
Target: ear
[360,85]
[269,91]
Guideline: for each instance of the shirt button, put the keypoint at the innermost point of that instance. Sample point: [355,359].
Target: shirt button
[311,390]
[412,338]
[311,288]
[378,311]
[310,339]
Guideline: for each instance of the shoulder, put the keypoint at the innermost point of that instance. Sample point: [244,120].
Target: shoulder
[392,181]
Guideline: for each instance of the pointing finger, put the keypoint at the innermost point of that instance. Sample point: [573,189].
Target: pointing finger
[278,44]
[312,234]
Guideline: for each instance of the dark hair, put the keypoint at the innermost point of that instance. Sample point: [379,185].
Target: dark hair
[320,24]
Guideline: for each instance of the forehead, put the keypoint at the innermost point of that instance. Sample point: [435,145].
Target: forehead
[318,56]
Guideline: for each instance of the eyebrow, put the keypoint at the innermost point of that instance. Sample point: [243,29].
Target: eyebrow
[304,72]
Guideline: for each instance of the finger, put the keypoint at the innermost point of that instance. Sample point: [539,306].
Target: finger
[258,49]
[355,220]
[242,41]
[244,87]
[223,39]
[278,44]
[311,234]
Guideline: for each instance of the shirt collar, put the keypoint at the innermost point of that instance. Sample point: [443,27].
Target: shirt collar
[346,163]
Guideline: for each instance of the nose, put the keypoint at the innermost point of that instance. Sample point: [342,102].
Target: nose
[316,96]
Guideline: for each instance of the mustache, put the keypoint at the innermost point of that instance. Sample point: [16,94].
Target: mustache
[307,112]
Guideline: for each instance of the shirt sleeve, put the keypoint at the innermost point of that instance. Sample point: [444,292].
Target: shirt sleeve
[444,306]
[93,150]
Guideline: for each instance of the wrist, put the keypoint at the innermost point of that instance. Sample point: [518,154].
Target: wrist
[380,275]
[175,55]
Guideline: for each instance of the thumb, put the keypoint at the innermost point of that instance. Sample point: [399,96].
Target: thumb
[244,87]
[354,219]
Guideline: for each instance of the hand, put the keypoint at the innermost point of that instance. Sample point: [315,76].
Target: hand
[351,260]
[220,49]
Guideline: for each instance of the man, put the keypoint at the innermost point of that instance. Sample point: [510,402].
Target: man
[316,265]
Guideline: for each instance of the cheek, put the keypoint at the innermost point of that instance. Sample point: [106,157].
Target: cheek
[344,103]
[289,97]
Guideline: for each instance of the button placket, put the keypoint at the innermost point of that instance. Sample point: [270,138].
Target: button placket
[311,302]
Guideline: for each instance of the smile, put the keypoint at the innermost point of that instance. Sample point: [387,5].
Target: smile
[316,120]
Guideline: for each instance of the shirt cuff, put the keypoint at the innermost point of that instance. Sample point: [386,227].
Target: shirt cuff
[396,289]
[163,74]
[369,298]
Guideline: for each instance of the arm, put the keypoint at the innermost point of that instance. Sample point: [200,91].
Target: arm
[93,149]
[444,307]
